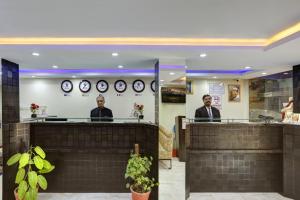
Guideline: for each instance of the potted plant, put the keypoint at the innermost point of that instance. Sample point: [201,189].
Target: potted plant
[31,165]
[34,107]
[137,174]
[139,109]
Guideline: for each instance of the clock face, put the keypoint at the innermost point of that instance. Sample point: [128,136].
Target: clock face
[120,86]
[85,86]
[66,86]
[153,86]
[138,86]
[102,86]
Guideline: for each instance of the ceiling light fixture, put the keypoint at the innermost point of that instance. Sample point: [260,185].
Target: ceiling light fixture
[115,54]
[264,73]
[247,67]
[215,77]
[54,66]
[203,55]
[35,54]
[73,76]
[285,73]
[32,76]
[120,66]
[172,73]
[162,80]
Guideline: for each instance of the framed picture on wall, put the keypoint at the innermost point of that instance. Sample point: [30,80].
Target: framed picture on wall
[189,87]
[234,93]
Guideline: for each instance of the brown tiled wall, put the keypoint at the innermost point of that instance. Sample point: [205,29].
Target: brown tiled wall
[234,157]
[93,157]
[291,161]
[15,139]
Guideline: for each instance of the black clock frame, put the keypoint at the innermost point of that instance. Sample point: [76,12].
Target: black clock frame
[105,83]
[116,85]
[152,82]
[88,89]
[61,86]
[137,81]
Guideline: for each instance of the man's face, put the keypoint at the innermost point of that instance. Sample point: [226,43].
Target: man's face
[207,101]
[100,102]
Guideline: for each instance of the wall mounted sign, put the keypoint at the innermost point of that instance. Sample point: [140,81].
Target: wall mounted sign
[85,86]
[102,86]
[138,86]
[66,86]
[216,88]
[120,86]
[153,86]
[216,101]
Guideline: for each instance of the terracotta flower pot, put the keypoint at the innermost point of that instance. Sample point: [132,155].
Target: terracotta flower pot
[16,194]
[139,196]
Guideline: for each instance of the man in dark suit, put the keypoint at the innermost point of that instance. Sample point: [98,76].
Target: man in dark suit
[207,113]
[101,113]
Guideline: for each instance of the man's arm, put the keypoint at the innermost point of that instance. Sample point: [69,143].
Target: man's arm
[197,115]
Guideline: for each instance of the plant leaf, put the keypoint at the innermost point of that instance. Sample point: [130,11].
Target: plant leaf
[13,159]
[33,193]
[23,160]
[40,151]
[45,171]
[38,161]
[42,182]
[22,189]
[20,175]
[32,179]
[47,165]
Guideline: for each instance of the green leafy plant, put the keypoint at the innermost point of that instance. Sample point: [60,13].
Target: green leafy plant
[32,164]
[137,174]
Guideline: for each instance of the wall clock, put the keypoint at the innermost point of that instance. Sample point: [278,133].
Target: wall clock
[138,85]
[102,86]
[153,86]
[85,86]
[66,86]
[120,86]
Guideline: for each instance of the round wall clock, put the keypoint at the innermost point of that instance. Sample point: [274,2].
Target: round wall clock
[85,86]
[66,86]
[153,86]
[138,85]
[102,86]
[120,86]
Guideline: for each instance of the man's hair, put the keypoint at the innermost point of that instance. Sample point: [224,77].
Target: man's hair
[206,95]
[100,96]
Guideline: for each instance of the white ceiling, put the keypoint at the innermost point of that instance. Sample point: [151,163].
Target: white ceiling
[141,18]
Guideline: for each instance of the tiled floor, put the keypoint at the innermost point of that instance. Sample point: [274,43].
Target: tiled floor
[172,187]
[236,196]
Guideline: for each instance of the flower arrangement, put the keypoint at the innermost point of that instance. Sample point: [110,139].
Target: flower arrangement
[34,107]
[139,108]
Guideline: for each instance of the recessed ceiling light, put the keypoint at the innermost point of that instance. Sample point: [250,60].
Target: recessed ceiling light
[215,77]
[203,55]
[32,76]
[247,67]
[55,66]
[115,54]
[264,73]
[186,66]
[73,76]
[35,54]
[172,73]
[285,73]
[120,66]
[162,80]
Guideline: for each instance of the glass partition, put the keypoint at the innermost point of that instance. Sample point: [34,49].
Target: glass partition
[85,120]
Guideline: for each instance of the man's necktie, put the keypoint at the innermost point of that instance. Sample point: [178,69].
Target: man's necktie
[210,114]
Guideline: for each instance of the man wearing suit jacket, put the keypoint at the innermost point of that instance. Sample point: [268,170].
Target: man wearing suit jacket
[207,113]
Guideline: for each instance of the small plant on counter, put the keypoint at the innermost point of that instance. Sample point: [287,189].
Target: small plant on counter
[137,174]
[34,108]
[31,165]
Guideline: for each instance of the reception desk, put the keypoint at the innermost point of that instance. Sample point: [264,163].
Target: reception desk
[89,157]
[243,157]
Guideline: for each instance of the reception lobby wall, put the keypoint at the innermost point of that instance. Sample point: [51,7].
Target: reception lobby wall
[47,92]
[229,110]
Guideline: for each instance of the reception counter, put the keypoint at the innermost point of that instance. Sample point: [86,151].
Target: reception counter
[89,157]
[243,157]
